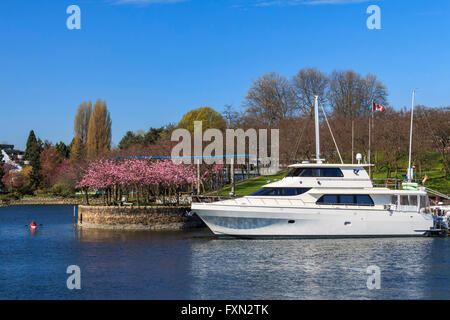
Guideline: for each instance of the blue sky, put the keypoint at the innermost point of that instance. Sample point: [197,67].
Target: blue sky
[153,60]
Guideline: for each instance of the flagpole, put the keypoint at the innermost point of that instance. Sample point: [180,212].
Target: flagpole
[370,138]
[353,129]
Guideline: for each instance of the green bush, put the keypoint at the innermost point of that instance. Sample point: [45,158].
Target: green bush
[62,190]
[7,198]
[26,191]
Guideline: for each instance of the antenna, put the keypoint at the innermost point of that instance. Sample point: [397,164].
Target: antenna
[410,170]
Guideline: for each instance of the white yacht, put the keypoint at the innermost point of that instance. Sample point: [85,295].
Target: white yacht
[321,200]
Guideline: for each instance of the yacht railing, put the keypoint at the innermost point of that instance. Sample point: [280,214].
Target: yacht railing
[209,199]
[437,193]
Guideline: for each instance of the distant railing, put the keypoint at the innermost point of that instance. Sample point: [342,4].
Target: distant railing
[394,183]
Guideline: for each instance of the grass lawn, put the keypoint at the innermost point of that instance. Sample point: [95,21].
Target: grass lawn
[251,185]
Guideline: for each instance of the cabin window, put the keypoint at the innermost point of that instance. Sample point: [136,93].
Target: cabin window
[424,204]
[280,191]
[316,172]
[346,199]
[294,172]
[404,201]
[329,199]
[364,200]
[413,200]
[394,200]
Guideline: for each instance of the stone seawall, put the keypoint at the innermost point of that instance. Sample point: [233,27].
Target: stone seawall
[137,218]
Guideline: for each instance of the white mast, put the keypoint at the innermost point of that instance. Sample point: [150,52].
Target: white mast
[316,120]
[410,170]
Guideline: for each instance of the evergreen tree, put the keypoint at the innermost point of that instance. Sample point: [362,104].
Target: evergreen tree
[63,150]
[99,132]
[32,154]
[31,142]
[129,139]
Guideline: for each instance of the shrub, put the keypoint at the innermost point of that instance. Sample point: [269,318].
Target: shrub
[62,190]
[7,198]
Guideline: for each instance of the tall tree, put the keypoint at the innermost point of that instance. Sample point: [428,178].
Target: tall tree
[306,84]
[81,123]
[50,160]
[270,99]
[31,142]
[351,95]
[99,131]
[373,90]
[77,151]
[32,154]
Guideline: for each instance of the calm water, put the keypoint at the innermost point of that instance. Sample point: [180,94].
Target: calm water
[194,265]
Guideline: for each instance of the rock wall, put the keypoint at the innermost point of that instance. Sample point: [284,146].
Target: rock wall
[137,218]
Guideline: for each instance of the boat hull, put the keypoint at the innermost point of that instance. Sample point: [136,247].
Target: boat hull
[310,222]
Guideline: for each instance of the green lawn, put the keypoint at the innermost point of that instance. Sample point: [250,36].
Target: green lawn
[251,185]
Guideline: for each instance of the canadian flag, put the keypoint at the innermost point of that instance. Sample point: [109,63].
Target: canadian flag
[377,107]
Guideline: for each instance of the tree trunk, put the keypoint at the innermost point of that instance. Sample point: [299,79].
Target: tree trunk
[86,194]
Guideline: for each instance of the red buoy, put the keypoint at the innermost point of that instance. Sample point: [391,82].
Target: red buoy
[33,225]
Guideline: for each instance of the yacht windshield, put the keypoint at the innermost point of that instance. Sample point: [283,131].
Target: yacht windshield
[316,172]
[280,191]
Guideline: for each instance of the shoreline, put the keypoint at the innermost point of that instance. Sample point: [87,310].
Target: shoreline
[38,201]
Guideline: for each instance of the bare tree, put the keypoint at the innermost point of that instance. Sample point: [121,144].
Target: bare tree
[231,116]
[372,90]
[270,99]
[351,95]
[306,84]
